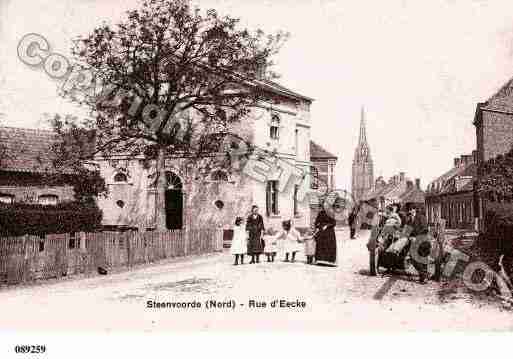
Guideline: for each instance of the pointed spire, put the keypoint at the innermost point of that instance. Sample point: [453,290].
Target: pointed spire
[363,137]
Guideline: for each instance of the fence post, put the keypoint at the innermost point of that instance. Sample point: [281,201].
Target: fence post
[439,233]
[25,261]
[128,252]
[186,241]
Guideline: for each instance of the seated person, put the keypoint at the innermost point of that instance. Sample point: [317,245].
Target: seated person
[391,225]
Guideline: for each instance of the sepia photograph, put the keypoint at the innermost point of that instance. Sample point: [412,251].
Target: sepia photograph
[302,166]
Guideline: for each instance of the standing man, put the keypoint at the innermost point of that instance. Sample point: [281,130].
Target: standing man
[372,218]
[255,229]
[352,220]
[421,245]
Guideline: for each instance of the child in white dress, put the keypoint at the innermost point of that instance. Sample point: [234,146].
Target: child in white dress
[290,240]
[271,244]
[239,245]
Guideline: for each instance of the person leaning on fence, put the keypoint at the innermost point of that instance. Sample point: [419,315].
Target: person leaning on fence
[239,242]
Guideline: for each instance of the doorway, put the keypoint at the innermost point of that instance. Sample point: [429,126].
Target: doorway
[174,202]
[174,209]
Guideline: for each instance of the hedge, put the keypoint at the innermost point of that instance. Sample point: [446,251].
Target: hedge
[19,219]
[499,230]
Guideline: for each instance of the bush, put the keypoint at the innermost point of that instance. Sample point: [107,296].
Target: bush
[499,230]
[19,218]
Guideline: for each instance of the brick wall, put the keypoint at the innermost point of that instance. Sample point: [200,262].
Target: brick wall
[497,134]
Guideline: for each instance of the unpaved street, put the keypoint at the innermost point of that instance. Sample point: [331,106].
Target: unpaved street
[342,298]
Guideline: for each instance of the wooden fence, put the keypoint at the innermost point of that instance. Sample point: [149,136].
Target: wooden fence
[28,258]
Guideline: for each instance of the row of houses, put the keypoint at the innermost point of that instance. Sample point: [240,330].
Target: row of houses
[282,128]
[453,196]
[398,190]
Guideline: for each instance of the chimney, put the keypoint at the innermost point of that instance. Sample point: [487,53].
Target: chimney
[409,184]
[417,183]
[261,69]
[456,162]
[401,176]
[474,156]
[465,160]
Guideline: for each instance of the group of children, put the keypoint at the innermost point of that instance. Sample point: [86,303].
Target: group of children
[287,241]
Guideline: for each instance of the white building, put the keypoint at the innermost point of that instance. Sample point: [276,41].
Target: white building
[282,127]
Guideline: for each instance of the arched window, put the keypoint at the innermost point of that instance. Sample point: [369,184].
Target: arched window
[120,177]
[48,200]
[6,198]
[172,180]
[274,129]
[219,175]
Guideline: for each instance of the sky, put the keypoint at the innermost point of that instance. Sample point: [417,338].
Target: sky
[418,68]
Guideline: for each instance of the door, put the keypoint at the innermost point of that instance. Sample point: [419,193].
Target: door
[174,209]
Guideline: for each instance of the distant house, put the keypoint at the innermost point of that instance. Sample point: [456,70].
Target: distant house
[399,189]
[451,196]
[26,158]
[414,196]
[322,177]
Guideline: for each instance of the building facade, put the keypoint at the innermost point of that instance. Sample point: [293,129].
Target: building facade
[451,196]
[362,178]
[493,121]
[322,178]
[282,128]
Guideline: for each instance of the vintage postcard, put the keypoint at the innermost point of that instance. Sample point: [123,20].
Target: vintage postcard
[241,165]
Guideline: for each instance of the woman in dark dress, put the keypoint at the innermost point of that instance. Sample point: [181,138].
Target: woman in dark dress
[255,229]
[326,241]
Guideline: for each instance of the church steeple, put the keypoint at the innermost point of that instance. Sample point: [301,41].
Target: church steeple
[363,171]
[363,137]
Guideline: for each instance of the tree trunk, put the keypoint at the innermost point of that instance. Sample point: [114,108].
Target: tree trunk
[160,195]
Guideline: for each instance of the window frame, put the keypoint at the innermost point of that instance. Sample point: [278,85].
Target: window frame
[53,196]
[7,195]
[314,177]
[116,181]
[271,198]
[226,178]
[274,127]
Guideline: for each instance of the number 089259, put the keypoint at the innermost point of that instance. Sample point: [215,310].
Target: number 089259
[30,349]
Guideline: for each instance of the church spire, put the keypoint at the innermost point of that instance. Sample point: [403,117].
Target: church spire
[363,170]
[363,137]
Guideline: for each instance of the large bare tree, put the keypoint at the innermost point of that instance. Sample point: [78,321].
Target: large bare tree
[165,80]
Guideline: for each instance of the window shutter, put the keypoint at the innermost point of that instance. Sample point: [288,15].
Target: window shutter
[268,198]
